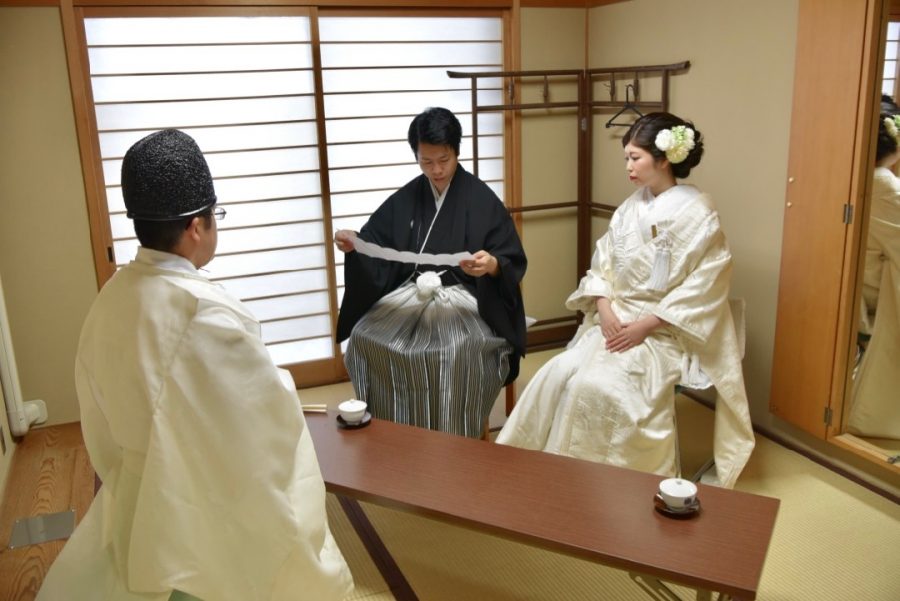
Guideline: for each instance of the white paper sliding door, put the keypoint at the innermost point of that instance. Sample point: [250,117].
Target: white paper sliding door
[378,72]
[243,82]
[243,87]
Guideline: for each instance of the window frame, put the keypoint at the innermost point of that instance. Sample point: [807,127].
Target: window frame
[310,373]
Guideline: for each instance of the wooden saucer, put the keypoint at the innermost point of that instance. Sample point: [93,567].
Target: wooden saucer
[366,418]
[679,514]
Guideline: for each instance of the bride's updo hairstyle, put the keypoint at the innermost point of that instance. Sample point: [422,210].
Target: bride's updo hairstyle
[888,136]
[666,136]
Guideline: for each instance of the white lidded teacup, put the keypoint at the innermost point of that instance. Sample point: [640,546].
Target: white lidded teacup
[678,493]
[352,411]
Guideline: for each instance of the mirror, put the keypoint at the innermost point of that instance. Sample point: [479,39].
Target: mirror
[872,410]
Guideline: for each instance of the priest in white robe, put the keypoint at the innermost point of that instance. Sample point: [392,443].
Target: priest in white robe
[211,487]
[656,314]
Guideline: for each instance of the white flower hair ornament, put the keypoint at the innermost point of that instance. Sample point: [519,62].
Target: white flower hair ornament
[892,125]
[677,142]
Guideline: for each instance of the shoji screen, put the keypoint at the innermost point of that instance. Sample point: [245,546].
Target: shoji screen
[378,72]
[243,88]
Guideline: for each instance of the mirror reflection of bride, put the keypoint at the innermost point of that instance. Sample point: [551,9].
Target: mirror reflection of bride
[875,407]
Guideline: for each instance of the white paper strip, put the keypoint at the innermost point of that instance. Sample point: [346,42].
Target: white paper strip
[406,256]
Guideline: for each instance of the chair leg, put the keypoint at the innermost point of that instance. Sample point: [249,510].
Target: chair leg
[703,469]
[676,392]
[510,397]
[677,447]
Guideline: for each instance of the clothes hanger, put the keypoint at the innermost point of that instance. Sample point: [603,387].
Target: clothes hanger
[629,106]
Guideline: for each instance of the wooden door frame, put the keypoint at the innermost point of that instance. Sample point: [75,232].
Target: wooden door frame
[795,386]
[839,45]
[867,125]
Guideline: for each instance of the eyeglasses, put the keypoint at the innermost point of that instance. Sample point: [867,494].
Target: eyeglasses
[219,213]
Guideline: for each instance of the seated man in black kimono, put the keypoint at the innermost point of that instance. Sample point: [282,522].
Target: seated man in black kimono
[432,346]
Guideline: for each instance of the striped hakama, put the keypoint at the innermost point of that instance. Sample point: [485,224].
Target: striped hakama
[423,356]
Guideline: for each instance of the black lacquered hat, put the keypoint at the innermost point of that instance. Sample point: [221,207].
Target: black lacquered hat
[165,177]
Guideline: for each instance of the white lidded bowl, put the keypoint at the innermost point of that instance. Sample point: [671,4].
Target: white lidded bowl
[677,493]
[352,411]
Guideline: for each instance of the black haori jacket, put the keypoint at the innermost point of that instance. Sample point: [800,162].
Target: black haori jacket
[472,218]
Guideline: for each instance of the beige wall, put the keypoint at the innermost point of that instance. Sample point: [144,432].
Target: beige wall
[738,92]
[551,39]
[45,253]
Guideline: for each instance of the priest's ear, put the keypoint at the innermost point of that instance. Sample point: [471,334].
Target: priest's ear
[194,228]
[194,236]
[198,225]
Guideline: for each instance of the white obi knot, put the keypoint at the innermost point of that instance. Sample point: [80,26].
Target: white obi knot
[428,286]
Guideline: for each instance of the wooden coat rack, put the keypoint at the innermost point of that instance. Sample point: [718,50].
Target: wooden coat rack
[585,106]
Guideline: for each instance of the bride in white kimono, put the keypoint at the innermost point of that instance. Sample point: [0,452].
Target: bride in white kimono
[656,314]
[875,409]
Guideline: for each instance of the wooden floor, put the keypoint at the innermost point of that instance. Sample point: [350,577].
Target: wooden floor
[50,472]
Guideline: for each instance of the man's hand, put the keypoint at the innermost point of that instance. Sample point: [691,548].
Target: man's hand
[344,239]
[481,263]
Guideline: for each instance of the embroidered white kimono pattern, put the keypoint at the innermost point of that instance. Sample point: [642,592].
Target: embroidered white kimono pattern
[618,408]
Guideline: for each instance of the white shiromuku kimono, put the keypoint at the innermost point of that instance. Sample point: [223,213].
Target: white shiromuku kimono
[885,203]
[875,406]
[211,484]
[618,408]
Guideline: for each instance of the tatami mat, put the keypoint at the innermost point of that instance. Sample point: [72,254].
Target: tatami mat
[444,563]
[833,540]
[368,582]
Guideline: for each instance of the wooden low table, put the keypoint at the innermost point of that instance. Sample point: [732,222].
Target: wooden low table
[588,510]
